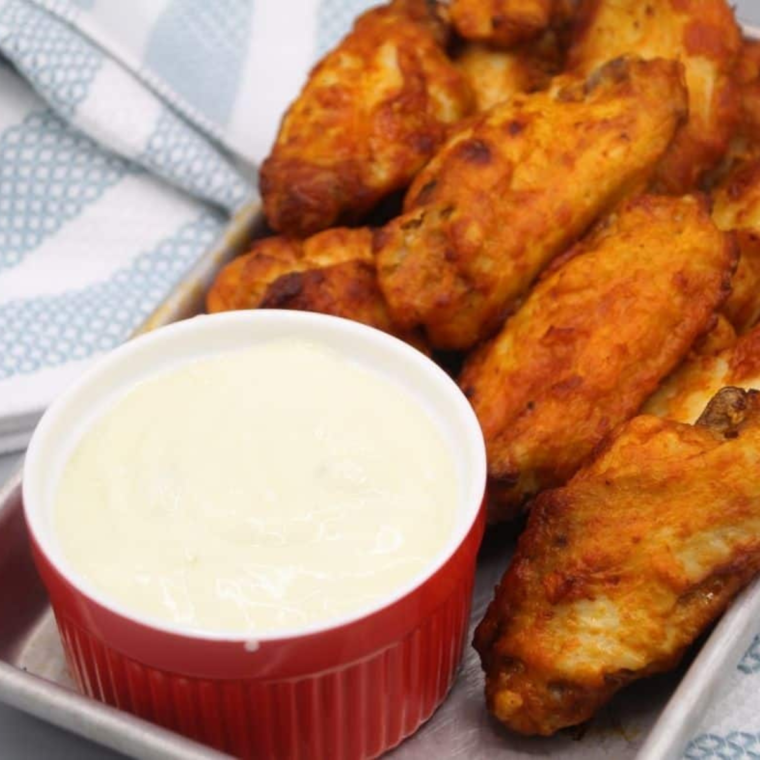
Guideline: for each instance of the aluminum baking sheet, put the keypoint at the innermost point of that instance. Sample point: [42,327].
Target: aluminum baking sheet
[651,720]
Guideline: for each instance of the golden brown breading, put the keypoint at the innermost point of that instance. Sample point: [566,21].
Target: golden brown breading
[736,206]
[704,36]
[496,75]
[515,188]
[332,272]
[720,336]
[683,395]
[748,76]
[244,282]
[618,572]
[593,340]
[241,284]
[743,305]
[373,111]
[736,202]
[500,22]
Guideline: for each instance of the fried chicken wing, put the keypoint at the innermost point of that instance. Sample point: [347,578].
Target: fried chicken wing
[736,206]
[500,22]
[373,111]
[593,340]
[685,393]
[332,272]
[704,36]
[618,572]
[496,75]
[515,188]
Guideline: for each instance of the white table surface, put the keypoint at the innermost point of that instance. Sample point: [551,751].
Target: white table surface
[25,738]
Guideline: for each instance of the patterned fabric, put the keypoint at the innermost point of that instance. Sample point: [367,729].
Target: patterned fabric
[90,243]
[750,663]
[732,746]
[61,67]
[87,88]
[199,49]
[48,175]
[191,162]
[49,331]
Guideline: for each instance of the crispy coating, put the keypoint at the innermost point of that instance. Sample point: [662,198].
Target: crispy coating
[593,340]
[704,36]
[736,203]
[720,336]
[515,188]
[332,272]
[748,77]
[736,206]
[745,142]
[500,22]
[372,112]
[685,393]
[496,75]
[618,572]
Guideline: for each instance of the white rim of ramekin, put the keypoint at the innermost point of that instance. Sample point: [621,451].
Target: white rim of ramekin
[35,508]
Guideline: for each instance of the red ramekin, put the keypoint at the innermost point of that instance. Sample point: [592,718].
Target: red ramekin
[352,688]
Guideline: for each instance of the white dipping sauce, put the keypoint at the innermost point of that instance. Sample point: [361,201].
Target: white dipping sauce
[258,490]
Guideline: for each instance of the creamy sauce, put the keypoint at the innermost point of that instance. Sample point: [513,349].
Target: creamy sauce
[257,490]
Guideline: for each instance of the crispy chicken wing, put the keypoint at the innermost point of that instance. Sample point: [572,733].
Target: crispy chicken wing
[705,37]
[593,340]
[685,393]
[332,272]
[515,188]
[373,111]
[496,75]
[736,206]
[500,22]
[618,572]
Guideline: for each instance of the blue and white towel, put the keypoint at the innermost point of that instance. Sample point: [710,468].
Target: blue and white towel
[730,729]
[129,130]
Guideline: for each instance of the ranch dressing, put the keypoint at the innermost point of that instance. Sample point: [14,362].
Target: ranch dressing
[258,490]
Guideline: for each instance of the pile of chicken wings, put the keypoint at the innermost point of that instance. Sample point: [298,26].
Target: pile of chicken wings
[563,196]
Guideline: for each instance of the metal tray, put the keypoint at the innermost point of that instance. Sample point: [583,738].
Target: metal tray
[651,720]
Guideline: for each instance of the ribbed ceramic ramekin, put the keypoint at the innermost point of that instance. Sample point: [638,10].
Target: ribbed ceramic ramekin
[350,689]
